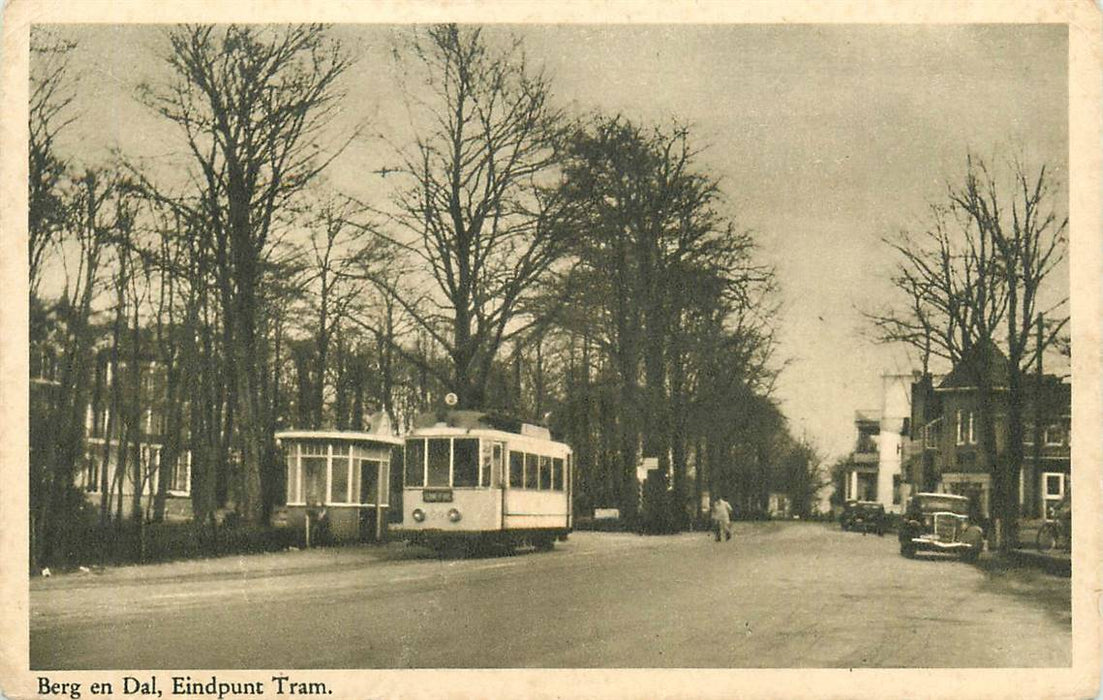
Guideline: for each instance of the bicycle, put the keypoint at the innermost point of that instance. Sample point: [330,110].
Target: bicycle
[1053,533]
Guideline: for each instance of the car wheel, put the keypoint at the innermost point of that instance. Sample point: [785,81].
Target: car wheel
[1047,538]
[970,555]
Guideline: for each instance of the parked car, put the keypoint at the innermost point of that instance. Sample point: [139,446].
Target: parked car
[863,516]
[940,522]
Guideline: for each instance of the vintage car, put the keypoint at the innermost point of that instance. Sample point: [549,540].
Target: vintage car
[863,516]
[940,522]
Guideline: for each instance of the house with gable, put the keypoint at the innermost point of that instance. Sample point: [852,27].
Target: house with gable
[945,452]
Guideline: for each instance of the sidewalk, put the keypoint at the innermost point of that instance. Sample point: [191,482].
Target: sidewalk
[243,566]
[1054,561]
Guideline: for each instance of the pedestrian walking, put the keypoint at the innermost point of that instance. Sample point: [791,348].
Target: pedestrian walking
[722,519]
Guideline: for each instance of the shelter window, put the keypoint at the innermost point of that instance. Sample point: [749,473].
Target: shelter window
[415,463]
[292,477]
[369,484]
[354,484]
[340,488]
[314,479]
[465,462]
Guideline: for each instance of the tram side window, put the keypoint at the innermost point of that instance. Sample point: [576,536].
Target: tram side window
[440,452]
[465,462]
[516,469]
[532,465]
[415,463]
[497,465]
[557,474]
[545,472]
[484,461]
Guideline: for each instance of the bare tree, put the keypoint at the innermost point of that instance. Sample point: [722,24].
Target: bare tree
[51,94]
[1029,244]
[970,285]
[252,104]
[478,214]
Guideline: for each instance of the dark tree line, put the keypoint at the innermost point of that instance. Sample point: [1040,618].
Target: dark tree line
[585,271]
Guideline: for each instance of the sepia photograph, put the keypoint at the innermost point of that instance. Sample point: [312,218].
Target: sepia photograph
[585,350]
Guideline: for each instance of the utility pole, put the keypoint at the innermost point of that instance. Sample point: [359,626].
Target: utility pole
[1038,411]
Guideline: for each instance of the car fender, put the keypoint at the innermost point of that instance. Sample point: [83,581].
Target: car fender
[974,537]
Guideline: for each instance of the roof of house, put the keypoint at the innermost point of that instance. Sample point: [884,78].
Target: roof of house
[983,359]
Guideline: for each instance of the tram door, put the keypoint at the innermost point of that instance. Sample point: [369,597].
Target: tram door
[369,493]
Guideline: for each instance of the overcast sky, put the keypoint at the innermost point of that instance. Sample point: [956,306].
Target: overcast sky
[827,139]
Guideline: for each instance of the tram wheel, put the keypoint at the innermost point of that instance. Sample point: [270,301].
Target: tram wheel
[544,543]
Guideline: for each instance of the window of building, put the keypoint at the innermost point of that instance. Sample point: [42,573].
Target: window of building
[1054,485]
[440,454]
[896,489]
[516,469]
[92,475]
[465,462]
[965,428]
[1053,435]
[415,463]
[181,475]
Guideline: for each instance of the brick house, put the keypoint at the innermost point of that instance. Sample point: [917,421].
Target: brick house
[944,445]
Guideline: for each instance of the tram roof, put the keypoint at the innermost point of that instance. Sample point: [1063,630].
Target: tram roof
[481,420]
[338,436]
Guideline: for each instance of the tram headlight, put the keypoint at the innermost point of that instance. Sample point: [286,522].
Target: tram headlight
[419,515]
[454,515]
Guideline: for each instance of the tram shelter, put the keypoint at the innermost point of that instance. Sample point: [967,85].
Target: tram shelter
[338,483]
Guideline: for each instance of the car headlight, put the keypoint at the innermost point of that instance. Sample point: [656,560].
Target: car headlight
[419,515]
[454,515]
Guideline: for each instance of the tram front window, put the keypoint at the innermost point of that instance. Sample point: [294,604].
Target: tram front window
[415,463]
[439,453]
[465,462]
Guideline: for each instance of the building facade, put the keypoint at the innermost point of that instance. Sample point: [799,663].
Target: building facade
[874,470]
[947,453]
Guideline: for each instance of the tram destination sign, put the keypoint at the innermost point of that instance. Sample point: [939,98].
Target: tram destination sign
[437,496]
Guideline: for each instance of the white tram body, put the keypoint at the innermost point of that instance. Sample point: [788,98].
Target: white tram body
[470,478]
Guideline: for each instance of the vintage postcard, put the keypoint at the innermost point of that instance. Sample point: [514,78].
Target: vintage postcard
[606,349]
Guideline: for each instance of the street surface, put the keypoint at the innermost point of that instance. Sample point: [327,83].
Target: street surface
[779,595]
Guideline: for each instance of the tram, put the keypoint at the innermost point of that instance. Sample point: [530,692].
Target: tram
[472,479]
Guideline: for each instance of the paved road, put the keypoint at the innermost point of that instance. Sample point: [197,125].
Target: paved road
[779,595]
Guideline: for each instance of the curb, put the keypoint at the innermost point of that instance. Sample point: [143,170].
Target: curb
[1054,564]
